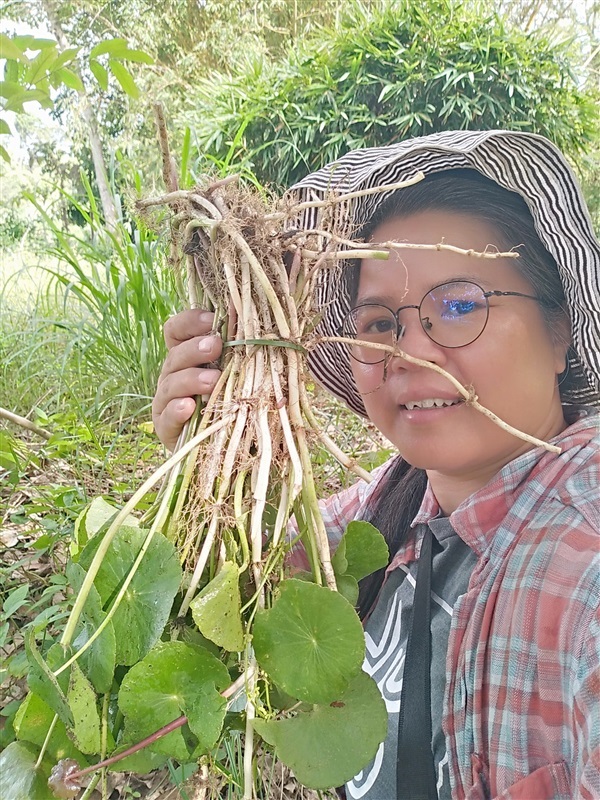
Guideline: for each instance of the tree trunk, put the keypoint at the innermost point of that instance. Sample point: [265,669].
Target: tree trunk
[106,199]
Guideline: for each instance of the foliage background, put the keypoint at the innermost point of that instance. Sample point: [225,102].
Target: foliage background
[270,89]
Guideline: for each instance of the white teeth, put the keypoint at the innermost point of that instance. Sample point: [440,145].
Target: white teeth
[436,402]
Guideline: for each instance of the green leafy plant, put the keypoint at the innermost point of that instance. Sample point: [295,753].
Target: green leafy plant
[117,294]
[385,74]
[166,638]
[35,66]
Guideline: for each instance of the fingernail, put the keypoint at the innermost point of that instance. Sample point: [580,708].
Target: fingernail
[205,345]
[180,405]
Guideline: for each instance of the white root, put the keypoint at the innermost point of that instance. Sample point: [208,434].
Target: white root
[468,394]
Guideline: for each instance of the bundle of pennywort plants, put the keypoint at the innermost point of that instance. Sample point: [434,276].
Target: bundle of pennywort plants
[188,623]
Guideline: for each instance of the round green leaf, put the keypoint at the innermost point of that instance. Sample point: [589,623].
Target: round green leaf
[144,610]
[217,609]
[19,778]
[329,745]
[311,642]
[174,679]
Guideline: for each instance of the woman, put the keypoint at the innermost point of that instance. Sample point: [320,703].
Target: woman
[494,542]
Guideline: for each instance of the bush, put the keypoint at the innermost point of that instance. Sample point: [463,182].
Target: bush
[402,70]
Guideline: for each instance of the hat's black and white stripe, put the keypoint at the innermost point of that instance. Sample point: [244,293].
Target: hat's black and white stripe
[521,162]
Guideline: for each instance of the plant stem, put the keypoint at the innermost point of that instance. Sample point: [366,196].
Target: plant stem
[46,742]
[249,733]
[23,422]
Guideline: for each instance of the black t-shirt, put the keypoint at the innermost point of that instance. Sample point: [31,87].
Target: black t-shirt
[386,633]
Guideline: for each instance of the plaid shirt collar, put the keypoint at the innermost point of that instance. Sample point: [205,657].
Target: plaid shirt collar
[477,519]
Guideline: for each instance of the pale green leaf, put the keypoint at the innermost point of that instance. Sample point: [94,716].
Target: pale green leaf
[217,609]
[34,43]
[10,88]
[15,103]
[124,77]
[99,73]
[138,56]
[9,49]
[40,66]
[111,46]
[86,719]
[69,78]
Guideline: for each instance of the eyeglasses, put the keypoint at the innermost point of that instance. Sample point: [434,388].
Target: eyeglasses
[452,315]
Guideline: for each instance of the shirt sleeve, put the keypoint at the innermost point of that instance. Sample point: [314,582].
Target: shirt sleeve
[587,717]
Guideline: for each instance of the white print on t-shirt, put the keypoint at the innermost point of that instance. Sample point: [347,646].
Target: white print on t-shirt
[384,662]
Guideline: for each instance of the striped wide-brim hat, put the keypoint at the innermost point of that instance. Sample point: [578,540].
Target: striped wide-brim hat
[521,162]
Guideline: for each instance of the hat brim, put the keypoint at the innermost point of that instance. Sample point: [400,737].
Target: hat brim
[521,162]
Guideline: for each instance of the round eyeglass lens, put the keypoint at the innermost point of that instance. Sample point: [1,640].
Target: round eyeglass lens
[454,314]
[370,323]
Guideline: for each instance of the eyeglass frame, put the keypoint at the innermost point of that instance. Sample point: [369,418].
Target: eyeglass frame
[401,328]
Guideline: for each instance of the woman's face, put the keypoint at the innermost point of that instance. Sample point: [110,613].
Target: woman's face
[512,366]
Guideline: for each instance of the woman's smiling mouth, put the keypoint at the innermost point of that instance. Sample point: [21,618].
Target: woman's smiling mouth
[434,402]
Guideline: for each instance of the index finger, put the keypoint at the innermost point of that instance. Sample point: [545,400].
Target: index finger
[187,325]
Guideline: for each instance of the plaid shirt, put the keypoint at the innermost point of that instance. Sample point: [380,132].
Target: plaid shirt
[522,705]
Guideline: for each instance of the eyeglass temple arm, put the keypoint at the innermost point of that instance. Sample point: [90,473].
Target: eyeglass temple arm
[496,293]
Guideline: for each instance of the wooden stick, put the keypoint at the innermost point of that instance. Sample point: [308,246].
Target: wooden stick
[23,422]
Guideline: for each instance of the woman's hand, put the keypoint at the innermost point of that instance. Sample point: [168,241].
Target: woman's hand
[192,345]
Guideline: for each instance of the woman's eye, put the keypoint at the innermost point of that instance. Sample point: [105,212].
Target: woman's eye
[379,326]
[458,308]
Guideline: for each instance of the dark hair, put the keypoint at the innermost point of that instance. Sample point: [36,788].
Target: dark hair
[463,191]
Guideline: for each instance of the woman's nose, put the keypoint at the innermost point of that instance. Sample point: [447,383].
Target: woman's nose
[413,340]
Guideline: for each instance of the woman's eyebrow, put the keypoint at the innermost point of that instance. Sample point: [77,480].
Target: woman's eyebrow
[376,299]
[385,300]
[462,278]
